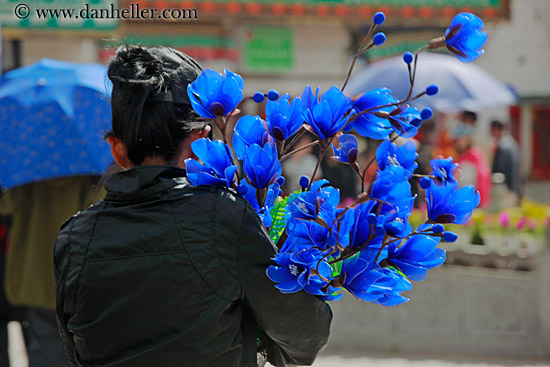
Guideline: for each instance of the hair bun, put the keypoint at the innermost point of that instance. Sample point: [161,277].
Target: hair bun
[135,65]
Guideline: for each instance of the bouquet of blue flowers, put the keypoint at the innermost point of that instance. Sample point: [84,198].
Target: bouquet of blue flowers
[369,248]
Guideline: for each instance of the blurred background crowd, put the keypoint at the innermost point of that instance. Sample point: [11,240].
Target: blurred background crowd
[492,116]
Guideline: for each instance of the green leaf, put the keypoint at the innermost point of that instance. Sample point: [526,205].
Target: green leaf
[336,268]
[278,213]
[398,271]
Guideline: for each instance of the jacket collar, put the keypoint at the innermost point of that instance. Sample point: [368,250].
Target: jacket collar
[141,182]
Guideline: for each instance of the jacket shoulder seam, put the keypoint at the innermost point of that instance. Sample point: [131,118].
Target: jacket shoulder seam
[84,258]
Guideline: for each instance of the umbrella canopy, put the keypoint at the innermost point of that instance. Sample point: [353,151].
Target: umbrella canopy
[52,114]
[462,86]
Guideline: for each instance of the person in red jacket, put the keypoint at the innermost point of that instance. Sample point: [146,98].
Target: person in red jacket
[473,165]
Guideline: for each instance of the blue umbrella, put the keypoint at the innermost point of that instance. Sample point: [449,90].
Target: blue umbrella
[52,114]
[462,86]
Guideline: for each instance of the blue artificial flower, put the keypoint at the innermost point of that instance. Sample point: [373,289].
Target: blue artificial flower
[347,149]
[217,167]
[368,282]
[329,114]
[213,95]
[389,154]
[264,212]
[369,125]
[390,287]
[368,230]
[308,98]
[448,205]
[396,222]
[465,37]
[249,130]
[323,233]
[261,165]
[416,256]
[392,186]
[360,279]
[283,117]
[293,272]
[443,170]
[307,205]
[405,121]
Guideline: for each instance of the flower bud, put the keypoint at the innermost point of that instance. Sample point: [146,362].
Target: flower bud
[273,95]
[449,237]
[432,90]
[242,190]
[425,182]
[426,113]
[408,57]
[304,182]
[379,18]
[258,97]
[379,38]
[438,228]
[277,133]
[372,219]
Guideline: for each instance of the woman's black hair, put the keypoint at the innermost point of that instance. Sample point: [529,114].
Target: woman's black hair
[151,112]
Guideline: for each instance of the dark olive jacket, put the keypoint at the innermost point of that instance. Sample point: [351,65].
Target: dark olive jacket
[163,273]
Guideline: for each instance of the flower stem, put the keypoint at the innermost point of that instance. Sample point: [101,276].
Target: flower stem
[299,150]
[324,144]
[296,137]
[261,195]
[222,129]
[372,109]
[358,53]
[282,239]
[365,172]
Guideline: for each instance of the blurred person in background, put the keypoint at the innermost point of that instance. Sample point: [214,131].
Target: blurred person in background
[473,163]
[4,305]
[427,141]
[35,213]
[468,118]
[506,156]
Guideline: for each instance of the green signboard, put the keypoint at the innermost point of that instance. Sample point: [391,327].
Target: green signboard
[60,14]
[268,49]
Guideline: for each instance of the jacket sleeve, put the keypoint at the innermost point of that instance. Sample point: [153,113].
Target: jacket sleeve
[298,323]
[61,269]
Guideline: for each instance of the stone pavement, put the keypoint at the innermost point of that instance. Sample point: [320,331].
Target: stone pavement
[18,358]
[400,360]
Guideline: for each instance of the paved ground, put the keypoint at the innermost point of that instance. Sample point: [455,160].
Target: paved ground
[406,361]
[18,358]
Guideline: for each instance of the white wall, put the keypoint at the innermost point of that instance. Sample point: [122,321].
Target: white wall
[35,47]
[518,51]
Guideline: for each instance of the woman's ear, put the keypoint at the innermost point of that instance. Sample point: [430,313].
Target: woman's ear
[185,150]
[119,152]
[204,132]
